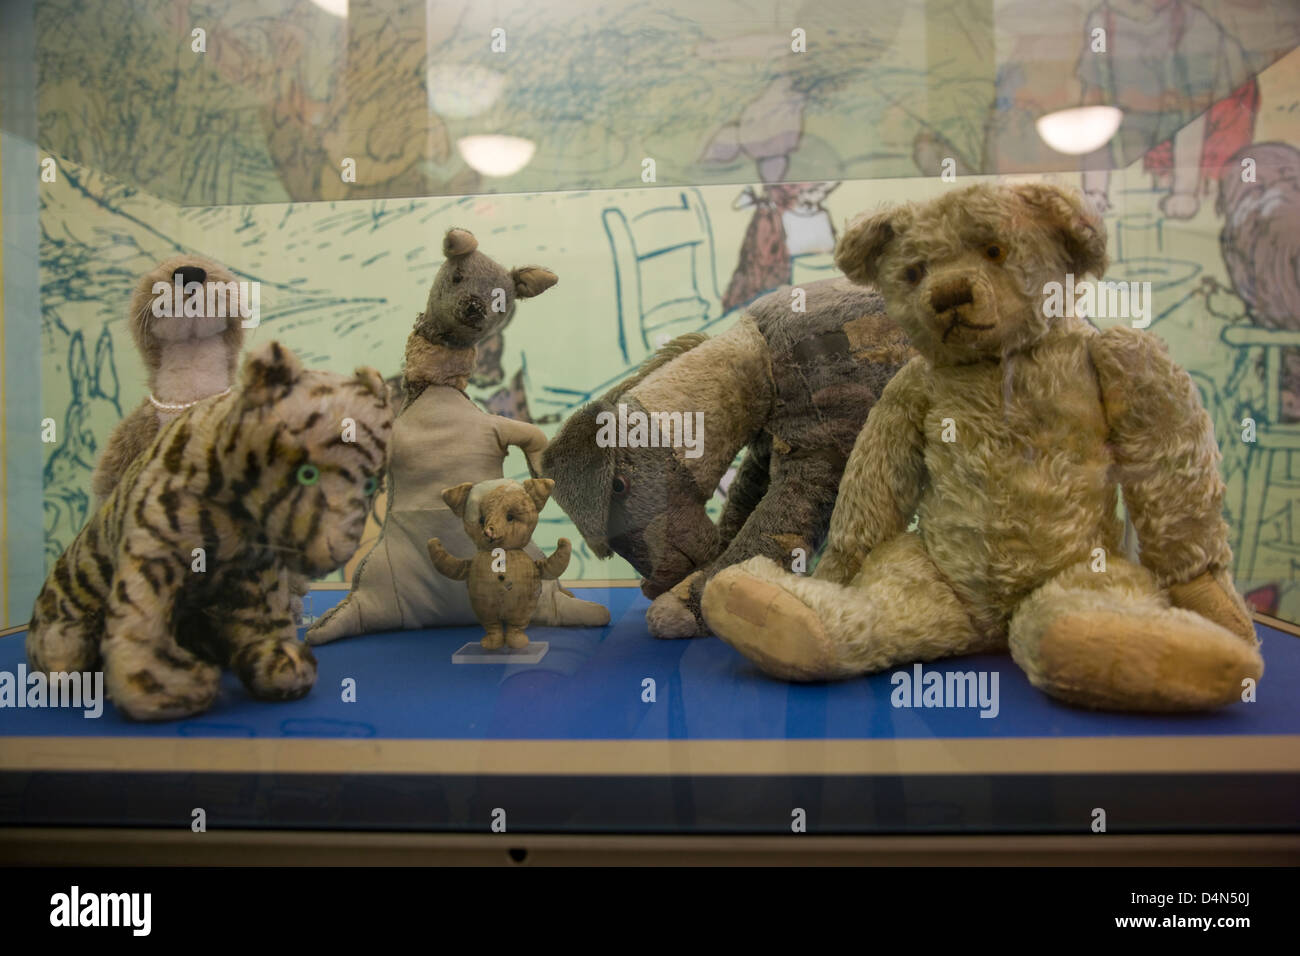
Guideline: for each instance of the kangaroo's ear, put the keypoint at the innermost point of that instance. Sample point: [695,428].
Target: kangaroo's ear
[1072,222]
[458,242]
[457,496]
[269,371]
[539,489]
[532,280]
[859,250]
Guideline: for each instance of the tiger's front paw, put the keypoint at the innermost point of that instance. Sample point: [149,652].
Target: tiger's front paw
[276,669]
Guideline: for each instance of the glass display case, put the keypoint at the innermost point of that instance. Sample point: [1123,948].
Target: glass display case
[774,232]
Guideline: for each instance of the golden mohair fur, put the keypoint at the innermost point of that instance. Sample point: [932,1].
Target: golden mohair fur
[1009,438]
[186,358]
[504,580]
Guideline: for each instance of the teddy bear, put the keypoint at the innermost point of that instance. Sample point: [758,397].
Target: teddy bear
[1009,438]
[505,581]
[187,357]
[441,438]
[790,384]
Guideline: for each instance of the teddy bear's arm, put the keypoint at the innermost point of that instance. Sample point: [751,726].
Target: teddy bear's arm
[448,564]
[1166,457]
[883,479]
[552,567]
[524,434]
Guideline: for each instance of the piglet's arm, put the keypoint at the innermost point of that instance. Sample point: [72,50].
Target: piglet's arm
[1166,458]
[883,479]
[524,434]
[448,564]
[552,567]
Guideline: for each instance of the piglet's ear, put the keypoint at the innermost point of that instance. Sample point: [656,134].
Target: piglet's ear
[539,489]
[532,280]
[1075,225]
[457,496]
[859,250]
[458,242]
[268,373]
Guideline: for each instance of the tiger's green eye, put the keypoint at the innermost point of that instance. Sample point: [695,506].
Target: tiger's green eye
[370,487]
[308,474]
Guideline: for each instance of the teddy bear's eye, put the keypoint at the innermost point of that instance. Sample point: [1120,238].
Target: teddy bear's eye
[995,252]
[914,273]
[510,517]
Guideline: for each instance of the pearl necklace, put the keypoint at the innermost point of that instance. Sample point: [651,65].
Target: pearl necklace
[181,406]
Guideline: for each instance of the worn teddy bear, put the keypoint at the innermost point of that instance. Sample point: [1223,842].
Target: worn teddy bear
[187,356]
[1008,438]
[441,438]
[188,565]
[791,383]
[505,581]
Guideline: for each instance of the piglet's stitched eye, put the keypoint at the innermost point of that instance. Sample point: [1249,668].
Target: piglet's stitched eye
[914,273]
[619,485]
[995,252]
[308,474]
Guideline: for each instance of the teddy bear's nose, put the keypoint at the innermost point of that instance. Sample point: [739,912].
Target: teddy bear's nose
[950,293]
[190,274]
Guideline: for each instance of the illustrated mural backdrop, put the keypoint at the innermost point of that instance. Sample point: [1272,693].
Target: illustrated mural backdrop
[762,154]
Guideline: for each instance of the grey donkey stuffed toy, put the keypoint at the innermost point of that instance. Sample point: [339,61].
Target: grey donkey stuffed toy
[791,386]
[440,439]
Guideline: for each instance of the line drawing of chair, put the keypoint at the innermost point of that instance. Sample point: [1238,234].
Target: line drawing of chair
[665,271]
[1273,438]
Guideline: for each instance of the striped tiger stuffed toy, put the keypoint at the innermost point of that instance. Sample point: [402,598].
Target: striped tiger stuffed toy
[273,482]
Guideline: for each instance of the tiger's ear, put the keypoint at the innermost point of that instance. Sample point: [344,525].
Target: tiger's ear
[539,489]
[457,497]
[269,372]
[372,380]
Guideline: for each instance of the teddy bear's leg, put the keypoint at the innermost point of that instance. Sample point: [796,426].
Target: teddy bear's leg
[515,636]
[494,635]
[897,609]
[261,638]
[1110,639]
[148,675]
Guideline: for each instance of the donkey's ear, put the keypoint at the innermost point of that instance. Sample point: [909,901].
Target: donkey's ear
[457,496]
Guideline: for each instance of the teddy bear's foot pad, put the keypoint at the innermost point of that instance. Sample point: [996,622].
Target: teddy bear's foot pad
[1115,661]
[475,653]
[768,625]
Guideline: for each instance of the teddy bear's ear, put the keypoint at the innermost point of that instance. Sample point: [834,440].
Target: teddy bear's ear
[539,489]
[457,496]
[532,280]
[268,372]
[859,249]
[458,242]
[1081,233]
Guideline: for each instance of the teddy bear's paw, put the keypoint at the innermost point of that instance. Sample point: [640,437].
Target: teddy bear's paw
[515,637]
[1175,661]
[276,669]
[1206,595]
[670,617]
[768,625]
[492,641]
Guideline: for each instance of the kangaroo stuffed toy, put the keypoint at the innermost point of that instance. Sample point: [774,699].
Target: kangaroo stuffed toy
[440,439]
[505,581]
[1009,437]
[791,383]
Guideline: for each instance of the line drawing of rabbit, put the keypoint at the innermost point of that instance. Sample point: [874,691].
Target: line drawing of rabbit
[92,411]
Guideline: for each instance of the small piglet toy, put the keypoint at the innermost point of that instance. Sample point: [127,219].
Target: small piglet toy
[505,582]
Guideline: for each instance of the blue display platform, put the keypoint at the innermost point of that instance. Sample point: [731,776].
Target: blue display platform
[592,683]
